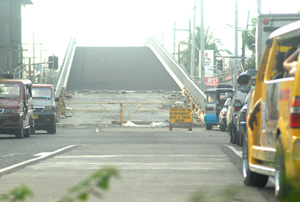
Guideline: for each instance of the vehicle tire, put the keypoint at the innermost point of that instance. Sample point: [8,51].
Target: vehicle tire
[229,129]
[222,127]
[233,135]
[51,129]
[208,126]
[251,178]
[32,129]
[281,183]
[27,132]
[19,133]
[241,139]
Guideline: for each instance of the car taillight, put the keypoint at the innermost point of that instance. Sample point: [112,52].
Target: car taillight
[295,113]
[209,109]
[245,116]
[224,114]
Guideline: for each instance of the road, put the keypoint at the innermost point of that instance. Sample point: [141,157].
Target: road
[155,164]
[118,68]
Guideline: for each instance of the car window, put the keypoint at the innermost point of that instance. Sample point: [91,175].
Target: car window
[211,98]
[10,90]
[41,92]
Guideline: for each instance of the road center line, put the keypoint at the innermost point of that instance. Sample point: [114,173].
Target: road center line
[34,159]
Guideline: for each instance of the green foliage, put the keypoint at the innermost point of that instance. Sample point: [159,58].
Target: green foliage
[210,43]
[248,36]
[18,194]
[231,193]
[93,185]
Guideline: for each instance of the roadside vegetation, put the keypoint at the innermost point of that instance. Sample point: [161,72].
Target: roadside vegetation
[94,185]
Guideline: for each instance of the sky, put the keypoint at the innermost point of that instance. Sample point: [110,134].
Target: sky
[51,23]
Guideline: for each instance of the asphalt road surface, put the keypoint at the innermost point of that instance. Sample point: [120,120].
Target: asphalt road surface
[118,68]
[155,164]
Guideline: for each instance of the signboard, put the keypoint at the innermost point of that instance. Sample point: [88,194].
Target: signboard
[180,115]
[211,81]
[208,63]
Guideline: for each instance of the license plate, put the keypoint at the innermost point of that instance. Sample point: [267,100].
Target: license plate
[36,116]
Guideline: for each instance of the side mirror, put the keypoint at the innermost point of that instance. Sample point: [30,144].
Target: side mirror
[244,79]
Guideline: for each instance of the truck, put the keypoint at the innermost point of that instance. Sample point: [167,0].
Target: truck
[266,24]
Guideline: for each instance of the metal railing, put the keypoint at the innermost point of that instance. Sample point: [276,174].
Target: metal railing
[180,77]
[63,75]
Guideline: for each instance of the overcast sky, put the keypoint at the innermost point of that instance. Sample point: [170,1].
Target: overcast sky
[131,22]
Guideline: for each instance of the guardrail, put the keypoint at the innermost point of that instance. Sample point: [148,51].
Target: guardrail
[193,93]
[63,75]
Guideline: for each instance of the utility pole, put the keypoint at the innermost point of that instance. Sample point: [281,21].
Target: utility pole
[174,45]
[202,48]
[33,58]
[258,7]
[192,73]
[243,44]
[236,44]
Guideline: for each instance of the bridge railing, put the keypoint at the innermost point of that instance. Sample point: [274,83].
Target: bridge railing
[191,90]
[63,75]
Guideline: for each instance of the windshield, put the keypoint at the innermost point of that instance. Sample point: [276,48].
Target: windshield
[43,93]
[211,97]
[10,90]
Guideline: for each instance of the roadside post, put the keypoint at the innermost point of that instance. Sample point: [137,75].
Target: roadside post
[180,115]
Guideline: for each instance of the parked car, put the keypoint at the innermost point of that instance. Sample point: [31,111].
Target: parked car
[241,128]
[235,106]
[16,114]
[44,108]
[241,117]
[222,115]
[238,101]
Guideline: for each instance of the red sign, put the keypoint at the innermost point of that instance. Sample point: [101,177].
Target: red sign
[212,81]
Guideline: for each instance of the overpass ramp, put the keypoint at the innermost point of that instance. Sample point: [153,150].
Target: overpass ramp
[118,68]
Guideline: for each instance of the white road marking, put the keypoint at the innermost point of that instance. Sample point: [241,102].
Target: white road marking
[239,153]
[123,156]
[35,159]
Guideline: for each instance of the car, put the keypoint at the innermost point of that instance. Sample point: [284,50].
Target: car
[238,101]
[233,109]
[16,113]
[241,128]
[222,115]
[44,107]
[241,117]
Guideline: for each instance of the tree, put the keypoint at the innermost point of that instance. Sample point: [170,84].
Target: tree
[248,39]
[211,43]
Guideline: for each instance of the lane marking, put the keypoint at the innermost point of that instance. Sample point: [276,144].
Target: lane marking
[46,154]
[122,156]
[239,153]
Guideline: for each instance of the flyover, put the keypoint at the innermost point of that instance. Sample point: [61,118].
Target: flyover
[126,68]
